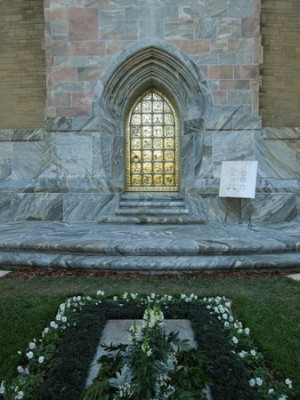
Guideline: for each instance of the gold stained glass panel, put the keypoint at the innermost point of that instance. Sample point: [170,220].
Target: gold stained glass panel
[152,144]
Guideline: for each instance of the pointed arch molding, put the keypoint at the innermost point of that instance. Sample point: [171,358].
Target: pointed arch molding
[151,63]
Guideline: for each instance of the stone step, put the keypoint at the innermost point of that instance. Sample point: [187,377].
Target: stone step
[152,196]
[153,264]
[155,220]
[152,203]
[151,211]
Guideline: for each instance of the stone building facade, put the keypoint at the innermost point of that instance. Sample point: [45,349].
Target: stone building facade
[205,57]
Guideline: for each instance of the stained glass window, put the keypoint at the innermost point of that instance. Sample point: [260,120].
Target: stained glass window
[152,144]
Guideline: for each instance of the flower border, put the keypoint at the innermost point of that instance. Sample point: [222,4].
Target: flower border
[40,353]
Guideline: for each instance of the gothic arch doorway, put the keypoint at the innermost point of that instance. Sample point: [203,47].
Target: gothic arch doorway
[152,144]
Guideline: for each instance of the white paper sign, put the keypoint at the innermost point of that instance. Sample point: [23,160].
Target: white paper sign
[238,179]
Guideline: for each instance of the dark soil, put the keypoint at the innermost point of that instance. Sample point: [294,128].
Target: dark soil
[34,272]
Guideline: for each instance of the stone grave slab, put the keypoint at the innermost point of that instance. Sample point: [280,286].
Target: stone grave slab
[117,332]
[3,273]
[296,277]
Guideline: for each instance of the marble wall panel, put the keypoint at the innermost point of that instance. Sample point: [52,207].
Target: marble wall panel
[89,207]
[187,157]
[189,9]
[240,51]
[240,8]
[6,159]
[206,28]
[27,135]
[151,28]
[232,146]
[102,157]
[72,155]
[27,159]
[215,8]
[118,158]
[203,156]
[37,206]
[212,207]
[278,158]
[231,117]
[5,206]
[267,208]
[246,121]
[179,29]
[229,28]
[274,207]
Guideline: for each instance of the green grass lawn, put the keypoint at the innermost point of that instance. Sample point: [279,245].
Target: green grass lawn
[269,307]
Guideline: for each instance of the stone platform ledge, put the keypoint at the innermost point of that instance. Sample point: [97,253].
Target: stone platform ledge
[156,264]
[151,248]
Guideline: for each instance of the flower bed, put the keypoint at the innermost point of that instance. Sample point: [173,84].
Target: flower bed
[56,365]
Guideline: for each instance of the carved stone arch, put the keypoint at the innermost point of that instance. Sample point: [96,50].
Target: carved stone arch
[148,64]
[151,63]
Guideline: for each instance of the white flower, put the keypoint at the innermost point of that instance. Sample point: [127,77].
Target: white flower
[29,355]
[20,369]
[282,397]
[252,382]
[135,331]
[115,298]
[2,388]
[225,316]
[271,391]
[259,381]
[247,331]
[226,324]
[242,354]
[20,395]
[41,359]
[64,319]
[32,345]
[58,317]
[53,325]
[288,382]
[235,340]
[253,353]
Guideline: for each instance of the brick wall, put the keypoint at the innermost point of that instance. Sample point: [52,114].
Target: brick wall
[22,64]
[280,91]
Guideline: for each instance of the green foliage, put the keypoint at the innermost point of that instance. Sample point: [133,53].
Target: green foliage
[155,365]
